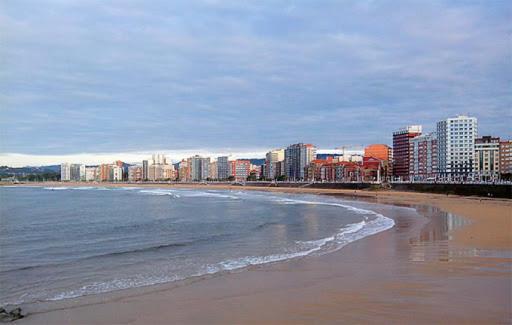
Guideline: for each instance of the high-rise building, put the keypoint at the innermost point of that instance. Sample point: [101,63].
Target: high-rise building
[77,172]
[90,173]
[135,173]
[184,171]
[487,158]
[297,157]
[223,168]
[456,146]
[240,169]
[105,174]
[213,172]
[116,173]
[423,160]
[159,159]
[65,172]
[402,150]
[506,158]
[199,168]
[145,170]
[272,159]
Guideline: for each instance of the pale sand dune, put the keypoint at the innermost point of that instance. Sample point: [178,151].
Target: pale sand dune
[414,273]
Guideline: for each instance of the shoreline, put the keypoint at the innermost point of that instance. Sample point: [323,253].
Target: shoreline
[466,246]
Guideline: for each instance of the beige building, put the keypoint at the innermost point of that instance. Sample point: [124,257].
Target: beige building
[135,173]
[213,170]
[487,157]
[272,159]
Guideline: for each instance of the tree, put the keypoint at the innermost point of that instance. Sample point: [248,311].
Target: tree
[251,177]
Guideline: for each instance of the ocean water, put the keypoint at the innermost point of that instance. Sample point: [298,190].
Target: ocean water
[65,242]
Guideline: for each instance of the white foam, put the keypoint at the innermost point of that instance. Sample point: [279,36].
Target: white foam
[208,194]
[58,188]
[160,192]
[345,235]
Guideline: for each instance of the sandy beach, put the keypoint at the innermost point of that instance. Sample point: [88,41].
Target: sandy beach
[447,260]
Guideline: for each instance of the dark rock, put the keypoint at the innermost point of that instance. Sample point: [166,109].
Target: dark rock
[15,314]
[10,316]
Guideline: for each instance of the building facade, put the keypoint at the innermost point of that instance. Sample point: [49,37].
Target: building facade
[199,168]
[272,159]
[212,173]
[380,151]
[184,171]
[402,150]
[65,172]
[487,158]
[240,169]
[116,173]
[297,157]
[385,154]
[77,172]
[222,168]
[456,147]
[423,161]
[135,174]
[91,173]
[145,170]
[506,158]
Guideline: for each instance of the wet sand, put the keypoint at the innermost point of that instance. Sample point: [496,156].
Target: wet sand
[448,261]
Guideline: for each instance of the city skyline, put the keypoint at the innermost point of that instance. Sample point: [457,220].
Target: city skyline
[266,75]
[21,160]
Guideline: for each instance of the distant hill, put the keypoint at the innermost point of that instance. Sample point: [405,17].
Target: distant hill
[255,161]
[20,171]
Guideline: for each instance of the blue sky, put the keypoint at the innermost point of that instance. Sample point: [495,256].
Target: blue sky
[131,76]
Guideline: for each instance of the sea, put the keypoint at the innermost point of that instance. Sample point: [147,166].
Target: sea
[66,242]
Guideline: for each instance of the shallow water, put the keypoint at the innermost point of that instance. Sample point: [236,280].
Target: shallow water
[65,242]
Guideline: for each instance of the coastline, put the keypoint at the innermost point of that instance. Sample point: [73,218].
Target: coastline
[418,271]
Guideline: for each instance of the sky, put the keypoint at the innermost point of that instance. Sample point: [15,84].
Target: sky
[88,80]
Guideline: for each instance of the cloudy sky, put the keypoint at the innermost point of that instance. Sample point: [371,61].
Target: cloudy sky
[89,77]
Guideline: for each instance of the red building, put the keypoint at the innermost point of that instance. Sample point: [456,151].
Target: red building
[402,150]
[385,154]
[240,169]
[373,169]
[329,171]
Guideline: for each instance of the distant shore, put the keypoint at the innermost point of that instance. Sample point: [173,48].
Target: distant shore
[419,271]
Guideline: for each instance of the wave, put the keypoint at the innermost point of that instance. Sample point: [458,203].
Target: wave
[57,188]
[106,255]
[346,235]
[187,193]
[209,194]
[160,192]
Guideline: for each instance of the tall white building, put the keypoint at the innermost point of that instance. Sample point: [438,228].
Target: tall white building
[159,159]
[116,173]
[456,146]
[65,172]
[271,163]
